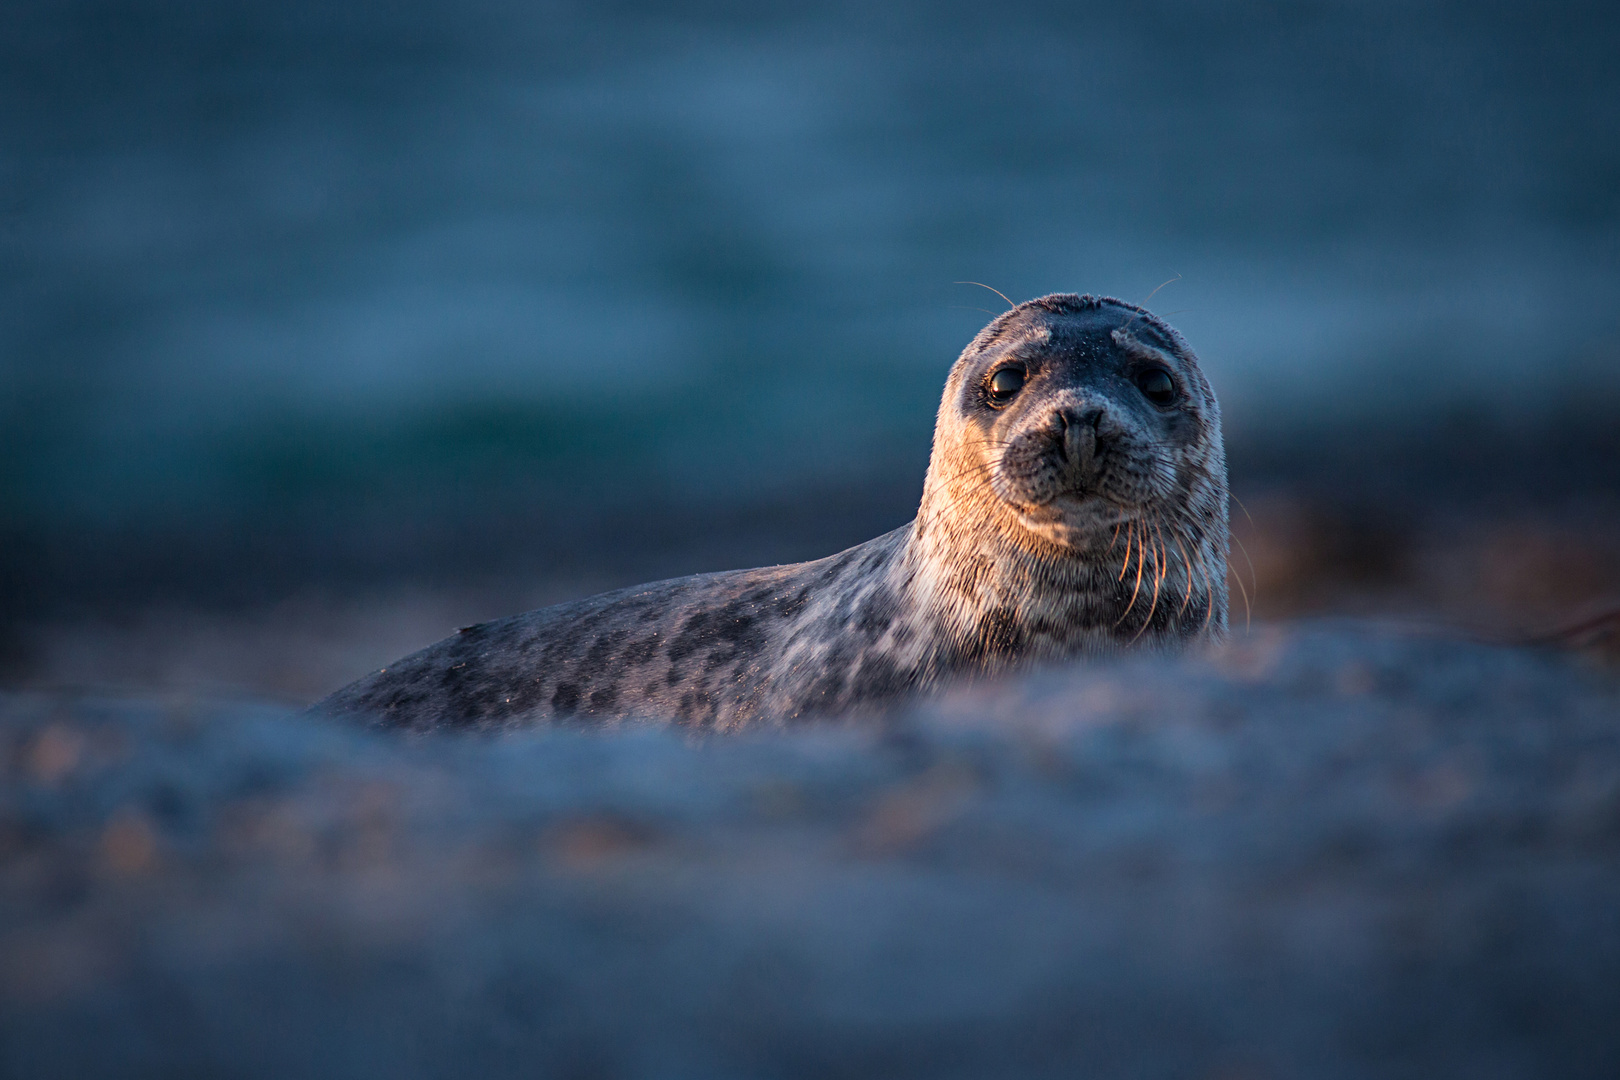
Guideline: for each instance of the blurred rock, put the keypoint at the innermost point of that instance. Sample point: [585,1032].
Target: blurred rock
[1325,850]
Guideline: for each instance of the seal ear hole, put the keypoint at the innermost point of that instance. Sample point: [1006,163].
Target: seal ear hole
[1004,384]
[1156,385]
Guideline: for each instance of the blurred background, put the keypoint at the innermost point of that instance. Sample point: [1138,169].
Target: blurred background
[328,328]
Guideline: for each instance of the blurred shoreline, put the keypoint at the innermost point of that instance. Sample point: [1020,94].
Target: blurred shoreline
[1488,532]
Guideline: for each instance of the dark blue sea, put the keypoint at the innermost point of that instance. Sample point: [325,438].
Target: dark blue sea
[303,289]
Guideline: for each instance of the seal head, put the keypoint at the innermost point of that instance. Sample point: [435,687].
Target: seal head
[1077,490]
[1075,505]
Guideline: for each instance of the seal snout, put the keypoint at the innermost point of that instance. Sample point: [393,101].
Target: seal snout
[1078,442]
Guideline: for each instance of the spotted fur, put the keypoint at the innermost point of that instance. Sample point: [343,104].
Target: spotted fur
[1074,520]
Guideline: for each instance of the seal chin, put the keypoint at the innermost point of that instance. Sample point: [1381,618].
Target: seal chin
[1072,521]
[1059,533]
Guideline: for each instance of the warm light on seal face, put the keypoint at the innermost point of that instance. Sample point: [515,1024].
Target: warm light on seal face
[1086,422]
[1075,505]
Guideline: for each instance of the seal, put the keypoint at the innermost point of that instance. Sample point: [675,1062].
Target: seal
[1075,505]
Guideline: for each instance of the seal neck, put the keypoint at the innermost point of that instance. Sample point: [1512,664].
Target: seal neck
[1001,594]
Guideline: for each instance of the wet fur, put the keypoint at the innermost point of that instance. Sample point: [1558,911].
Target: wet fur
[1077,520]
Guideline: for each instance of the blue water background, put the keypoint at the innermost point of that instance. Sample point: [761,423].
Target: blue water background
[262,257]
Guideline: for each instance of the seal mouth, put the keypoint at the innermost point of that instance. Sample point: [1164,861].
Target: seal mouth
[1057,483]
[1077,519]
[1062,463]
[1080,472]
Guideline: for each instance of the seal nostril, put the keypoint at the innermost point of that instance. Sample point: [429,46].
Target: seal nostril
[1078,433]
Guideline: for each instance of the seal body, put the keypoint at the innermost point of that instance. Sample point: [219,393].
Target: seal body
[1075,505]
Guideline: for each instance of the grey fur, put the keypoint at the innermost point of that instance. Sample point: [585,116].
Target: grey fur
[1076,519]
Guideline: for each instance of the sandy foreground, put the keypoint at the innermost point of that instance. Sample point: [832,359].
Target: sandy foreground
[1331,849]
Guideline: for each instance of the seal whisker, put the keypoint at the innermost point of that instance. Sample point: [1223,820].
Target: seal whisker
[1198,563]
[963,470]
[969,470]
[1186,565]
[1141,309]
[1254,577]
[964,499]
[1209,588]
[982,285]
[1141,562]
[1143,305]
[1158,579]
[1164,549]
[1245,509]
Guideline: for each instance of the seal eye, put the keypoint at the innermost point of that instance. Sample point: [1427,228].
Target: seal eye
[1005,383]
[1157,386]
